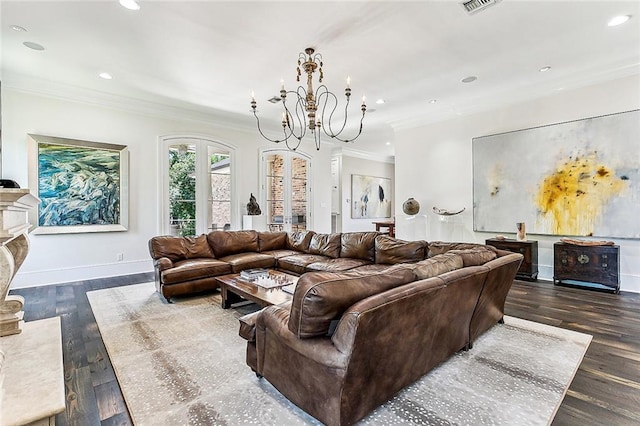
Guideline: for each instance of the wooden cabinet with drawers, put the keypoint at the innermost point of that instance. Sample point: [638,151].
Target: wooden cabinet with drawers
[587,264]
[529,249]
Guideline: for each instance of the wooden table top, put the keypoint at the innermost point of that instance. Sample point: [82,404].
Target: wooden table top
[251,291]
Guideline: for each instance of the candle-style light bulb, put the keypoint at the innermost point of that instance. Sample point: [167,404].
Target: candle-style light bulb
[253,96]
[348,82]
[282,84]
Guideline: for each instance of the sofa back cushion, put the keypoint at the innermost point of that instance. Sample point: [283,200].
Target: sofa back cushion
[299,240]
[440,247]
[358,245]
[325,245]
[272,241]
[437,265]
[225,243]
[476,256]
[391,251]
[179,248]
[322,297]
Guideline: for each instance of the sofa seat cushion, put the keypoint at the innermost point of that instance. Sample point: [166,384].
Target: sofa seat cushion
[358,245]
[225,243]
[268,241]
[193,269]
[241,261]
[325,245]
[336,265]
[476,256]
[436,265]
[298,262]
[180,248]
[391,251]
[322,297]
[277,254]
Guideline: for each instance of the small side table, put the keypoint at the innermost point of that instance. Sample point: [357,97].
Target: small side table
[390,225]
[529,249]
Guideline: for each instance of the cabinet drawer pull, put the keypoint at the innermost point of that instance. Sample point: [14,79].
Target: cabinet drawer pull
[583,258]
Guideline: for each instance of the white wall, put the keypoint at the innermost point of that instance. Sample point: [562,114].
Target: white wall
[70,257]
[360,166]
[438,170]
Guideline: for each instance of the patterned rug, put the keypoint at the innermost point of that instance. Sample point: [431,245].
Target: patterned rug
[183,363]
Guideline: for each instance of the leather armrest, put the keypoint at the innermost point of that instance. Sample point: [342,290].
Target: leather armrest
[163,263]
[318,349]
[248,326]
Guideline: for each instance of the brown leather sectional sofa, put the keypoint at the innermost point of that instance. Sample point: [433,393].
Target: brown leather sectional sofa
[186,265]
[369,316]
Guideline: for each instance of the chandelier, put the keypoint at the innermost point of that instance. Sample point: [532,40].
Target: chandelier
[319,107]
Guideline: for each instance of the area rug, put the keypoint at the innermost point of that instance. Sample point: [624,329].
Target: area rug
[183,363]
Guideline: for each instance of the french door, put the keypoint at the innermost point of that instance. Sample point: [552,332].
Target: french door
[286,190]
[197,189]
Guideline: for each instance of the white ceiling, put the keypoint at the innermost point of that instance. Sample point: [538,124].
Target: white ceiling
[209,55]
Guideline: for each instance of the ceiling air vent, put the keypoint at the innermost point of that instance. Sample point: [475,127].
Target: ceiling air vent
[475,6]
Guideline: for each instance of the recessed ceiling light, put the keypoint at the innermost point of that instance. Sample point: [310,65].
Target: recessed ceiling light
[433,101]
[380,101]
[34,46]
[387,143]
[130,4]
[618,20]
[544,69]
[18,28]
[105,75]
[469,79]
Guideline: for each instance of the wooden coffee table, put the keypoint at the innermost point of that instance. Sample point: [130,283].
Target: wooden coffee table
[235,289]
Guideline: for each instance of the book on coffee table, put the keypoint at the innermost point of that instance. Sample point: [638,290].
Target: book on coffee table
[252,274]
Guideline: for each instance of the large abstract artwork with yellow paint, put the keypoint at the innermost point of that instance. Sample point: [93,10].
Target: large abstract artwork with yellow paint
[580,178]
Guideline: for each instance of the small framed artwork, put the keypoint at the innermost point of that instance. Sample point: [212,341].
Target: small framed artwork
[370,197]
[83,186]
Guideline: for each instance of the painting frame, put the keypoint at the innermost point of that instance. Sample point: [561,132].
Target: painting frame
[91,193]
[574,178]
[370,197]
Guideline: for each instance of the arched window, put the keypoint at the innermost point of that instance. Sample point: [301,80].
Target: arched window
[197,176]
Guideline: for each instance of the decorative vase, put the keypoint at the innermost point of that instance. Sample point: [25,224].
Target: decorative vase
[411,206]
[521,234]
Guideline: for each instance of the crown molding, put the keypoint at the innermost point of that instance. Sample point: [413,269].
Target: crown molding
[177,110]
[350,152]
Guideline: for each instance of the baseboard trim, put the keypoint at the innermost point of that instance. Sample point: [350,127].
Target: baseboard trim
[82,273]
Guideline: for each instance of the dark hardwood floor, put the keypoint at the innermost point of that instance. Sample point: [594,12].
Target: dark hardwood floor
[605,390]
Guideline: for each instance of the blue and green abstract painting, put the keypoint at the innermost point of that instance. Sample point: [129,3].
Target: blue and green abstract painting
[78,185]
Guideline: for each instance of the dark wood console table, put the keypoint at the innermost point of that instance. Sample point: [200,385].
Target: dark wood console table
[529,249]
[598,265]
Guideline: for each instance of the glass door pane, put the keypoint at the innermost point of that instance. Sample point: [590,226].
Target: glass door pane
[298,194]
[275,191]
[219,168]
[182,189]
[286,191]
